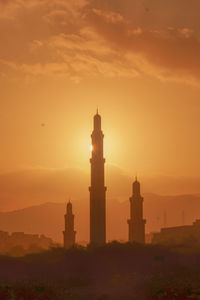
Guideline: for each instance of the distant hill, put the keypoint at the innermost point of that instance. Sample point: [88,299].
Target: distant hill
[24,188]
[48,218]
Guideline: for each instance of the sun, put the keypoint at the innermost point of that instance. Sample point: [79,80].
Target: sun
[91,148]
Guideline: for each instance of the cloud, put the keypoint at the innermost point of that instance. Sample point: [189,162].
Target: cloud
[109,17]
[169,50]
[79,39]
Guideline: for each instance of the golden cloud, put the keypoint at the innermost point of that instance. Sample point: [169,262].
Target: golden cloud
[101,38]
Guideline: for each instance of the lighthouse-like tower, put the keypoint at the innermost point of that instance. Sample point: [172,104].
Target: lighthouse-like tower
[136,223]
[69,233]
[97,188]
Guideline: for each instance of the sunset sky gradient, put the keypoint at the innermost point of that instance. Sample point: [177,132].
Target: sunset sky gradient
[137,60]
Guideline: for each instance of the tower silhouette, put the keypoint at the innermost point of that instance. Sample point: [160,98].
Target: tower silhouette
[97,188]
[69,233]
[136,222]
[165,219]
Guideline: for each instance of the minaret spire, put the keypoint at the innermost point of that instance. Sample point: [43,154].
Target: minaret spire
[136,177]
[97,188]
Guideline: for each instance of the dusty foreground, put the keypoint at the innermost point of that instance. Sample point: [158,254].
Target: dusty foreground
[116,271]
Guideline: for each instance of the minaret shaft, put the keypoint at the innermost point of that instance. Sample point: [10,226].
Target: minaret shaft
[97,188]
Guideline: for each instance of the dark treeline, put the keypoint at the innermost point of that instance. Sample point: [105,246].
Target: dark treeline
[115,271]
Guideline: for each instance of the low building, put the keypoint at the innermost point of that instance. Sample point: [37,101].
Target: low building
[26,242]
[178,235]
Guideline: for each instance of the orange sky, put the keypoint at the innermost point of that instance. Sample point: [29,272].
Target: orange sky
[138,61]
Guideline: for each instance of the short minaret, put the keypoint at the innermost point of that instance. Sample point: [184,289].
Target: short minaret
[69,233]
[136,223]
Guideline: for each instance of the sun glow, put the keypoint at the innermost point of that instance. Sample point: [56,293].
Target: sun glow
[91,148]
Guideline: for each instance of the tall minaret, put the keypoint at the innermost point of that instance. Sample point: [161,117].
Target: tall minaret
[69,233]
[97,188]
[136,222]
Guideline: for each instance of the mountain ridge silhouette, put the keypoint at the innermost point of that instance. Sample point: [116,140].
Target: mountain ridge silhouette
[48,218]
